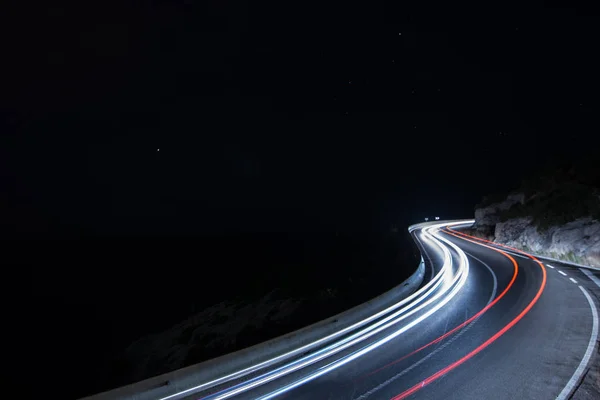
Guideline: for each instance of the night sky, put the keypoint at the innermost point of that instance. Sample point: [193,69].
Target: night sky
[194,119]
[279,117]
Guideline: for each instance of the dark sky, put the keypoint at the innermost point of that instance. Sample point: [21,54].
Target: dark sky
[284,117]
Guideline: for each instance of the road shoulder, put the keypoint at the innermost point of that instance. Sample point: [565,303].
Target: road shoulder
[589,387]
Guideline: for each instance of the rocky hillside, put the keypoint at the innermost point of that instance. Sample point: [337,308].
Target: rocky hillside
[556,214]
[210,332]
[257,287]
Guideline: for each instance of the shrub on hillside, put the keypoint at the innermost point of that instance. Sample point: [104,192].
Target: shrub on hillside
[558,204]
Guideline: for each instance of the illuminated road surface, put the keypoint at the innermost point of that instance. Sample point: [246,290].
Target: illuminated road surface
[487,323]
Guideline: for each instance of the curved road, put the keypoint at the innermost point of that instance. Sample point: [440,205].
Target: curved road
[495,323]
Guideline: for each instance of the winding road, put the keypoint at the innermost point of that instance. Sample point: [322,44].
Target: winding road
[488,322]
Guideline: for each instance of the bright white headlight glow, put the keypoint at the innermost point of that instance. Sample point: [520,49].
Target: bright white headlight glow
[445,283]
[464,265]
[412,301]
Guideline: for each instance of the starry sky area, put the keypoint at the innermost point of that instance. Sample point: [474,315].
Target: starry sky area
[275,117]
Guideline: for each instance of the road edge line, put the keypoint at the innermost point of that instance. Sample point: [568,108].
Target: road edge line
[578,374]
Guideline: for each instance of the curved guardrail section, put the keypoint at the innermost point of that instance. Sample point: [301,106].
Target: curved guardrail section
[264,362]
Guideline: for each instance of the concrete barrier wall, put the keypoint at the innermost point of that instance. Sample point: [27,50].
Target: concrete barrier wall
[185,378]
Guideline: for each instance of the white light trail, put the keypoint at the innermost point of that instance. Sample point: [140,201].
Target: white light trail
[418,297]
[338,363]
[444,278]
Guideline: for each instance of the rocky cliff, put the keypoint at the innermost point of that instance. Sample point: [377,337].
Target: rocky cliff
[577,241]
[515,222]
[556,215]
[487,217]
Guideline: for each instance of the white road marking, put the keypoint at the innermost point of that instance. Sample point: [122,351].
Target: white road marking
[566,392]
[591,276]
[573,280]
[562,273]
[548,265]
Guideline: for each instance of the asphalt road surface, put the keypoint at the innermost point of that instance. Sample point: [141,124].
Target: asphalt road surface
[494,323]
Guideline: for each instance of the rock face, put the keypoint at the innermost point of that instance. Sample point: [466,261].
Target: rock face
[212,328]
[577,241]
[487,217]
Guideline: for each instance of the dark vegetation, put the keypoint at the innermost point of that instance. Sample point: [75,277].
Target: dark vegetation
[363,268]
[491,198]
[560,194]
[93,297]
